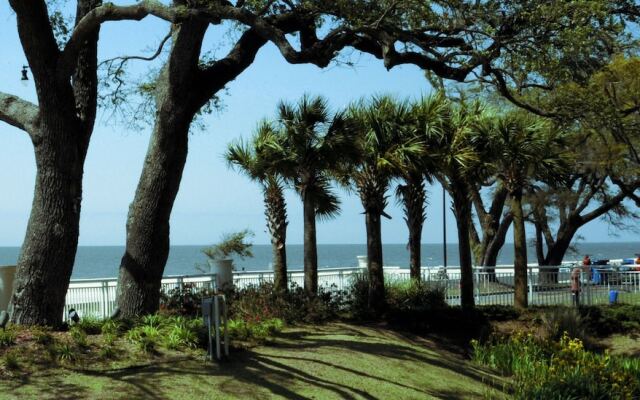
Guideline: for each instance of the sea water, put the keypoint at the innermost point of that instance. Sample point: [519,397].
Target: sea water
[103,261]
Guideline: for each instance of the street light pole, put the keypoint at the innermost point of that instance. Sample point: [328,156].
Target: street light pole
[444,227]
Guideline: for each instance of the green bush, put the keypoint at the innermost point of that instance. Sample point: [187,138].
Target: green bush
[563,369]
[185,300]
[11,361]
[112,327]
[617,318]
[255,331]
[263,302]
[558,321]
[65,351]
[79,336]
[90,325]
[7,337]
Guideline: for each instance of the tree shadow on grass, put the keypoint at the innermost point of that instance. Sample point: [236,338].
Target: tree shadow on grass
[300,367]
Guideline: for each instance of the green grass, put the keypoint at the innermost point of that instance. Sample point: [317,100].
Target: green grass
[334,361]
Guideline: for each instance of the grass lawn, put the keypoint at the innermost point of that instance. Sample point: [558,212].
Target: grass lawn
[334,361]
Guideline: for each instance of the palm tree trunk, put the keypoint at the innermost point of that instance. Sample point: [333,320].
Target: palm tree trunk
[520,251]
[462,206]
[310,249]
[374,262]
[413,197]
[276,213]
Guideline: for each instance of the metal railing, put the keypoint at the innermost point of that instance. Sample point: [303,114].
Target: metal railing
[97,297]
[492,285]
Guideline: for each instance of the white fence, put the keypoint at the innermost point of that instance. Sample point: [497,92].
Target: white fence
[495,286]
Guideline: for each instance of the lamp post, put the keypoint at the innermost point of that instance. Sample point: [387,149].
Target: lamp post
[444,227]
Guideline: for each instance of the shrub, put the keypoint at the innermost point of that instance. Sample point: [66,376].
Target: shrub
[563,369]
[258,303]
[65,351]
[107,352]
[11,361]
[7,337]
[90,325]
[79,336]
[181,336]
[186,300]
[558,321]
[617,318]
[257,331]
[145,337]
[112,327]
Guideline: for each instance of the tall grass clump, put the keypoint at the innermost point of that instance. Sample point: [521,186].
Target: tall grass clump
[562,369]
[558,321]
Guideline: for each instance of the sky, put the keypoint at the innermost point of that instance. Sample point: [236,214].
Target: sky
[213,199]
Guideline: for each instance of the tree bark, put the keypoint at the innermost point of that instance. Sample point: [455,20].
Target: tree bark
[376,300]
[310,248]
[413,198]
[276,213]
[462,207]
[147,247]
[60,138]
[520,251]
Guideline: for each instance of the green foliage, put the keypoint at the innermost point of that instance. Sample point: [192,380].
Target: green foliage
[258,303]
[254,331]
[560,369]
[107,352]
[90,325]
[617,318]
[231,244]
[65,351]
[558,321]
[112,327]
[7,337]
[11,360]
[79,336]
[185,300]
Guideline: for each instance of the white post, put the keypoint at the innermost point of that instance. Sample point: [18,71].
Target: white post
[530,272]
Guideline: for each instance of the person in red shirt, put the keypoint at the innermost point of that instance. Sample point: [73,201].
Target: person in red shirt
[586,260]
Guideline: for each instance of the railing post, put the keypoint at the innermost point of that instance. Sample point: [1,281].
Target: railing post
[530,272]
[105,299]
[476,285]
[180,283]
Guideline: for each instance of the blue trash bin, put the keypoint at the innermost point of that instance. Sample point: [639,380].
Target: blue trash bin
[613,296]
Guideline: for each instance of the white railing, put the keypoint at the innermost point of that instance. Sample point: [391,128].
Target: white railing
[494,286]
[97,297]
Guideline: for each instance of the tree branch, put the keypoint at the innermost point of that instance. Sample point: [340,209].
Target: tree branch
[17,112]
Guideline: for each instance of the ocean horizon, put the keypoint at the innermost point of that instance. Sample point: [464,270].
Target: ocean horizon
[103,261]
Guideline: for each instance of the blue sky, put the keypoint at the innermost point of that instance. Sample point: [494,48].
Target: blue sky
[212,198]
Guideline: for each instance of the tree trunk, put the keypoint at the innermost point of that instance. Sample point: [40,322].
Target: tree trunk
[147,248]
[276,213]
[413,198]
[462,207]
[61,140]
[48,252]
[376,300]
[520,252]
[310,248]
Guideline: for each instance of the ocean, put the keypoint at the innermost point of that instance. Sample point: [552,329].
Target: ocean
[103,261]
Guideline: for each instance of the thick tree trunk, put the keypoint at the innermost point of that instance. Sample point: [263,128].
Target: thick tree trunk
[520,252]
[48,252]
[147,248]
[310,248]
[276,213]
[61,140]
[375,262]
[462,207]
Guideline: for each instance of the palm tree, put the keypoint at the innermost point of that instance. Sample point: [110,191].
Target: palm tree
[426,115]
[525,148]
[259,159]
[384,152]
[459,152]
[312,143]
